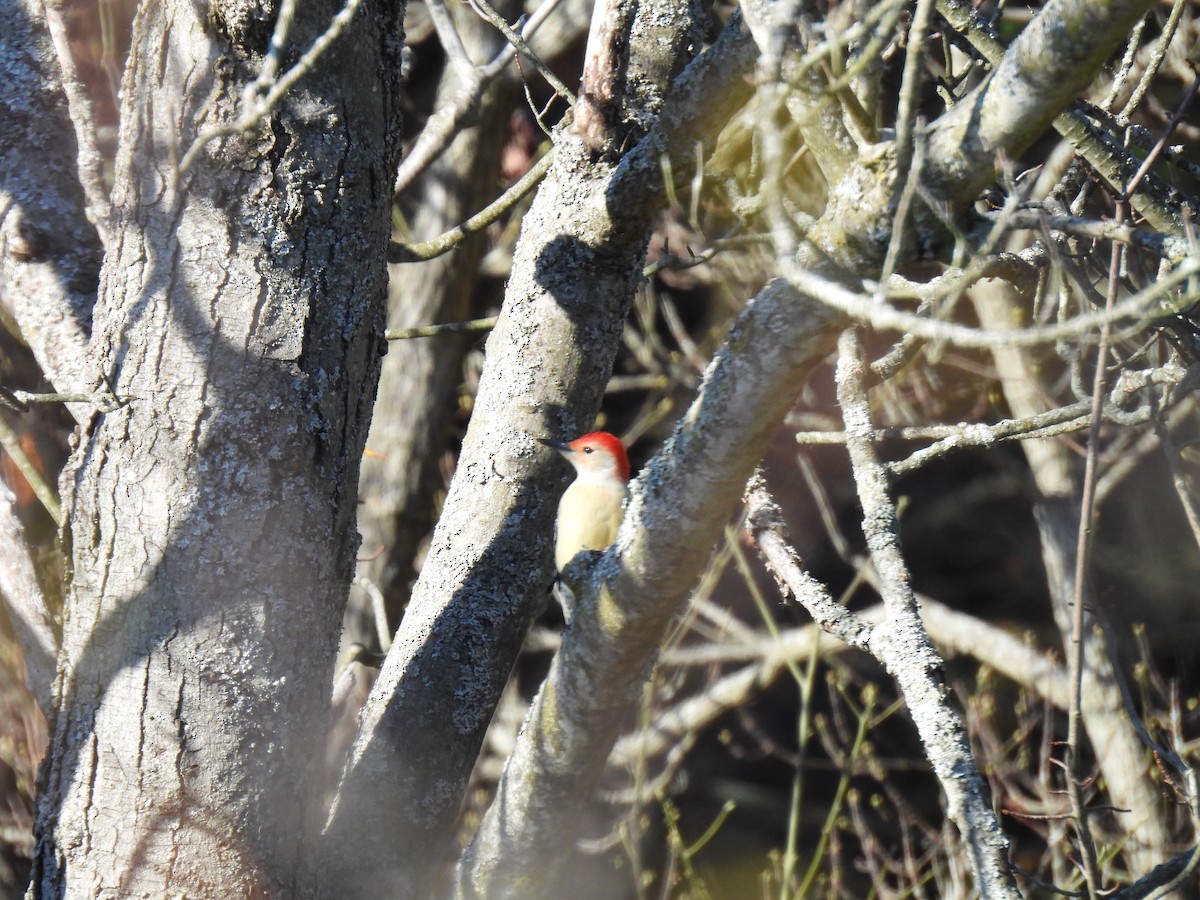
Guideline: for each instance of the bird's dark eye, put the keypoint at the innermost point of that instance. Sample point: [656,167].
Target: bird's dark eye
[588,449]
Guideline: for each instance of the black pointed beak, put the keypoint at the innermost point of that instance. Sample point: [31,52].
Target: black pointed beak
[560,446]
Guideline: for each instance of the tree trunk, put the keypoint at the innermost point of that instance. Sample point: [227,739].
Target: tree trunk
[211,520]
[575,268]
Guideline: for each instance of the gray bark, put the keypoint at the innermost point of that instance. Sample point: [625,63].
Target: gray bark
[211,521]
[903,646]
[1121,756]
[488,571]
[1050,63]
[1151,198]
[27,608]
[49,253]
[419,384]
[679,505]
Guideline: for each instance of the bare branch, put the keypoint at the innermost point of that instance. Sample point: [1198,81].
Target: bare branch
[448,37]
[767,657]
[764,523]
[904,649]
[27,608]
[444,243]
[963,17]
[47,496]
[486,10]
[574,272]
[49,253]
[1156,58]
[1075,775]
[1052,60]
[679,506]
[1170,247]
[449,118]
[1147,304]
[91,163]
[475,326]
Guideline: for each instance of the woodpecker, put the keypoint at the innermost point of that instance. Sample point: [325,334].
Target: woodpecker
[591,509]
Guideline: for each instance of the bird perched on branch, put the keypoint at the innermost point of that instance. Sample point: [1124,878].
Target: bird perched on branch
[591,509]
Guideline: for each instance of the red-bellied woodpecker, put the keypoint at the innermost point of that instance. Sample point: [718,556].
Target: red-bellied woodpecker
[591,509]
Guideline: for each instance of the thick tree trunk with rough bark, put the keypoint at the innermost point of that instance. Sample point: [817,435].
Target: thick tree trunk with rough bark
[211,525]
[211,517]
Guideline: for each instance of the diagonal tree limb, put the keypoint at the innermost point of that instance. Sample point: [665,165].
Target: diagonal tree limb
[1096,28]
[1050,63]
[397,491]
[1031,84]
[764,522]
[679,505]
[576,266]
[627,601]
[902,645]
[79,104]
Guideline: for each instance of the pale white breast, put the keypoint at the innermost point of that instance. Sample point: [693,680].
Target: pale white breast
[589,515]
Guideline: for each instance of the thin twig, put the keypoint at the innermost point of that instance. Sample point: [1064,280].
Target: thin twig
[11,402]
[883,15]
[967,433]
[449,38]
[764,523]
[1182,489]
[1152,156]
[675,262]
[906,112]
[908,190]
[982,435]
[1167,246]
[1118,83]
[1079,810]
[1017,268]
[910,145]
[1156,59]
[486,10]
[10,441]
[443,243]
[883,317]
[449,119]
[79,104]
[424,331]
[1131,457]
[279,39]
[383,630]
[104,401]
